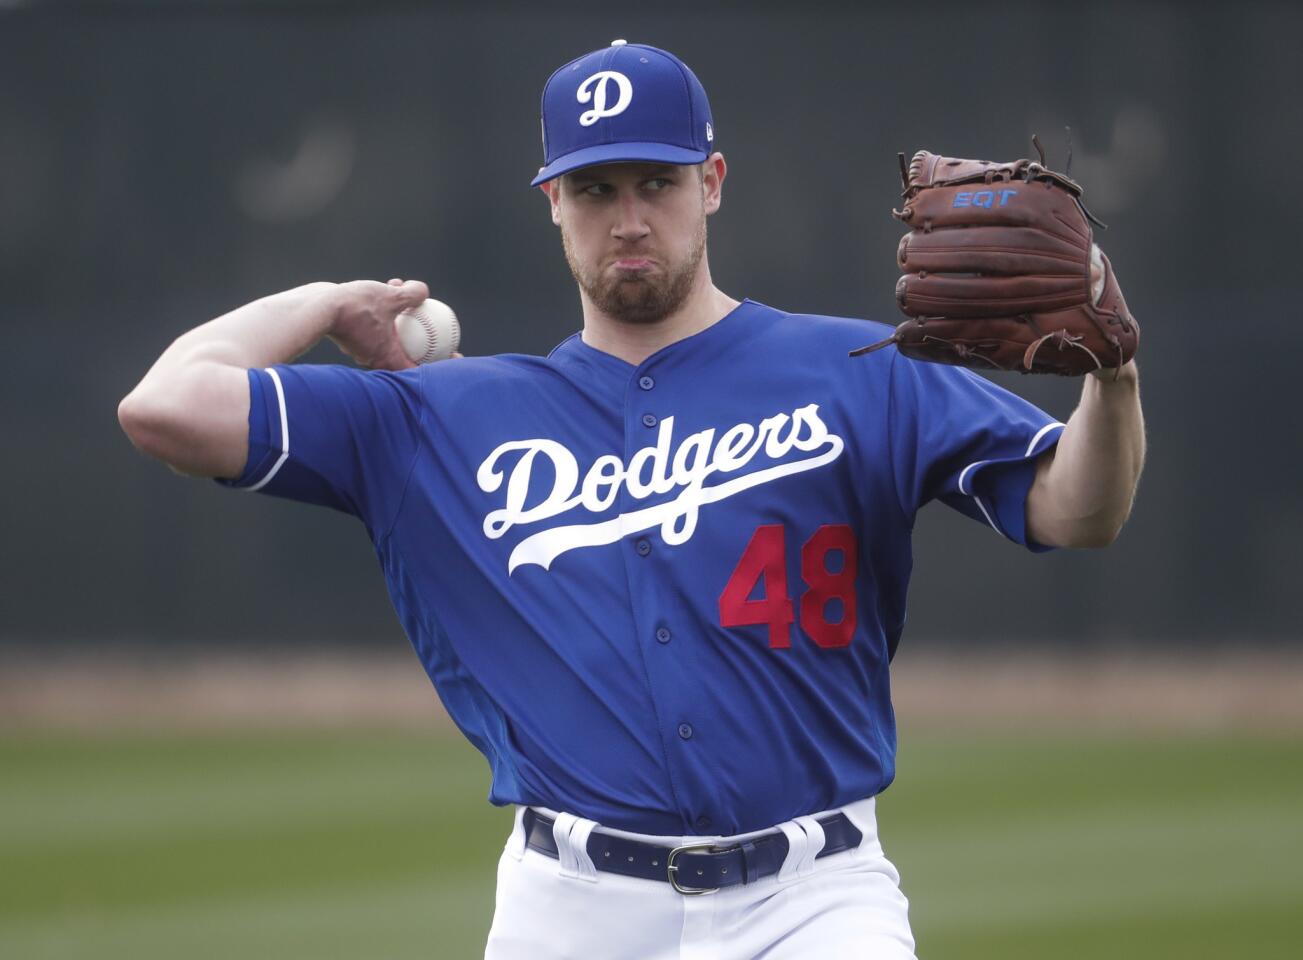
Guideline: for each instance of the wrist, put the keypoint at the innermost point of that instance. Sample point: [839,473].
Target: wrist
[1126,375]
[328,300]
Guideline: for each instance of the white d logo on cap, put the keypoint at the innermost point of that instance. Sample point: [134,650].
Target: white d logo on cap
[594,89]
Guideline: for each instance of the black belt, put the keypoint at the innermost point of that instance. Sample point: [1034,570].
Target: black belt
[692,868]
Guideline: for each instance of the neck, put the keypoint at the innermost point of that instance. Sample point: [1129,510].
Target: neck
[633,343]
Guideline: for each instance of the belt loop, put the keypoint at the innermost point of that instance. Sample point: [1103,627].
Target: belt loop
[585,869]
[570,833]
[814,843]
[516,842]
[796,844]
[561,837]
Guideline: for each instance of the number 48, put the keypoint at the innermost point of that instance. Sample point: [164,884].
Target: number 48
[765,557]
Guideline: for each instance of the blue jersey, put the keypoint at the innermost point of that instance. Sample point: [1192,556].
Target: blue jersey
[662,597]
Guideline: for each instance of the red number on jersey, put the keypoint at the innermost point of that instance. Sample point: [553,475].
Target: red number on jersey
[763,557]
[826,586]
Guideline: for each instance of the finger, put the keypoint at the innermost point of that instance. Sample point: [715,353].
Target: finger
[457,356]
[414,291]
[406,295]
[395,282]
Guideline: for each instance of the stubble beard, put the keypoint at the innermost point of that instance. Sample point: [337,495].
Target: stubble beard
[640,298]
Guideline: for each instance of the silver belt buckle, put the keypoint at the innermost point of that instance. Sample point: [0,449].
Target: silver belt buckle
[672,869]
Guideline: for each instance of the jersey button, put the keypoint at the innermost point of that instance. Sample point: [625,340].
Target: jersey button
[703,823]
[643,547]
[663,634]
[649,419]
[646,382]
[685,731]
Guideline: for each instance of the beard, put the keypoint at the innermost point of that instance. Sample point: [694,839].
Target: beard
[644,297]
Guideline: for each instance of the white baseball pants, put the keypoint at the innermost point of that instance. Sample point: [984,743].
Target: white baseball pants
[846,905]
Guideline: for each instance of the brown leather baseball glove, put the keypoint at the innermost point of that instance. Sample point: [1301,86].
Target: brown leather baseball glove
[997,271]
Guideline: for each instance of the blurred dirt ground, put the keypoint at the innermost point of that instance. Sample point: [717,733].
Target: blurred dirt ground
[1251,691]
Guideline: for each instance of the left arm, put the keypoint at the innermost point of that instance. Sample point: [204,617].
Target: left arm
[1085,486]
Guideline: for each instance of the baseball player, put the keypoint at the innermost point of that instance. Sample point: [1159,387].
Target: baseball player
[656,576]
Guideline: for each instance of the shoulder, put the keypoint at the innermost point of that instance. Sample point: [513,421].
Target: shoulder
[496,367]
[823,341]
[504,376]
[817,334]
[822,328]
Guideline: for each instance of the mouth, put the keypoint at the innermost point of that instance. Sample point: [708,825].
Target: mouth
[633,264]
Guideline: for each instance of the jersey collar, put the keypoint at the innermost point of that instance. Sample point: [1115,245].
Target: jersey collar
[574,347]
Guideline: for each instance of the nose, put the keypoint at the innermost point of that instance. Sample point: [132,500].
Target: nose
[630,224]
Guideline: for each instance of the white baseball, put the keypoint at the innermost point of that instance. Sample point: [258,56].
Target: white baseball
[429,332]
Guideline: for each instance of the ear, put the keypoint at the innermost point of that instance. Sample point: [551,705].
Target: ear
[552,190]
[712,181]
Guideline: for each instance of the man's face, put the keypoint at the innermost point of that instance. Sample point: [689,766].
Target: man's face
[634,234]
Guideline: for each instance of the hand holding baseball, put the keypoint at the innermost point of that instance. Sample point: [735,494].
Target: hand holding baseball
[429,331]
[366,322]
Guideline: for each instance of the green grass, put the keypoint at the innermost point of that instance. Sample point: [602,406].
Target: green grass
[381,845]
[1075,847]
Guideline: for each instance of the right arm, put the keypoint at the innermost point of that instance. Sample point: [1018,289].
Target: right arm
[191,409]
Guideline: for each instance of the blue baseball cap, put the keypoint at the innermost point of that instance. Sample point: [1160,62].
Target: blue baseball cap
[625,102]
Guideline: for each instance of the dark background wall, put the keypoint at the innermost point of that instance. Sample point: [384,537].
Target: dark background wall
[163,163]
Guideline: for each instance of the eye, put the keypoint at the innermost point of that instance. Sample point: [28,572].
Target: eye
[596,189]
[659,183]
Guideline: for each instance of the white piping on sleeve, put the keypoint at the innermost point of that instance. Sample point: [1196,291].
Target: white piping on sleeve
[963,475]
[981,506]
[1040,433]
[285,432]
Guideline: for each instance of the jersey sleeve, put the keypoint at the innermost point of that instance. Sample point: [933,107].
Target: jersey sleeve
[333,435]
[959,438]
